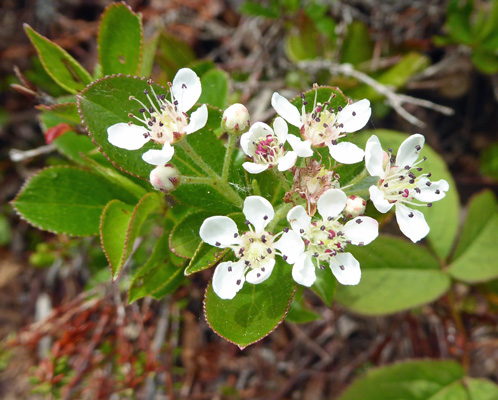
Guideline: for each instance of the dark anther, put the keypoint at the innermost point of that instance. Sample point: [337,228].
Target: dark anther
[411,181]
[359,221]
[410,215]
[238,282]
[429,175]
[251,240]
[247,222]
[150,123]
[247,262]
[417,190]
[418,147]
[429,205]
[263,239]
[268,250]
[341,267]
[407,167]
[437,191]
[217,244]
[286,229]
[302,96]
[401,177]
[428,183]
[265,217]
[322,267]
[230,269]
[360,244]
[325,125]
[305,103]
[419,169]
[263,269]
[151,110]
[284,257]
[146,91]
[386,184]
[184,86]
[301,230]
[339,108]
[322,228]
[258,274]
[235,235]
[315,255]
[425,158]
[142,110]
[390,150]
[354,113]
[334,142]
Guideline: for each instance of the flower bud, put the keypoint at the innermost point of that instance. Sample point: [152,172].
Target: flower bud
[236,119]
[355,206]
[165,178]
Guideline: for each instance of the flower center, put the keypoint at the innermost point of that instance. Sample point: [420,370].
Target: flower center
[255,249]
[162,118]
[268,150]
[325,239]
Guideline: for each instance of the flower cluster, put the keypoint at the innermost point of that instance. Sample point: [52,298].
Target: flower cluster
[323,221]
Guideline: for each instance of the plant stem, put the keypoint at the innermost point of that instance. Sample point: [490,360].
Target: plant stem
[461,330]
[232,139]
[198,160]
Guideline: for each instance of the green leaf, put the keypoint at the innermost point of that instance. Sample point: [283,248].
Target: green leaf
[120,40]
[215,88]
[113,231]
[299,311]
[478,261]
[481,208]
[158,274]
[481,389]
[184,239]
[486,61]
[173,54]
[70,144]
[67,111]
[357,46]
[149,55]
[120,226]
[443,216]
[105,103]
[255,311]
[67,200]
[303,42]
[412,380]
[458,20]
[396,275]
[204,257]
[61,67]
[325,285]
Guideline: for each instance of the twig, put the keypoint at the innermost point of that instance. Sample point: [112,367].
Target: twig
[394,99]
[20,155]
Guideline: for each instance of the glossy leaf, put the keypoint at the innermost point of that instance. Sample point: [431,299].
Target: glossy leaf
[299,311]
[215,88]
[412,380]
[67,200]
[325,285]
[395,275]
[120,40]
[61,67]
[157,274]
[67,111]
[184,238]
[443,216]
[255,311]
[205,257]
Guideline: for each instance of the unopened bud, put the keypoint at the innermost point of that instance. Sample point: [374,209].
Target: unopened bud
[236,119]
[165,178]
[355,206]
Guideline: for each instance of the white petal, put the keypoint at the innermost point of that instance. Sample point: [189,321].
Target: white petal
[254,168]
[281,129]
[414,227]
[350,274]
[291,246]
[198,120]
[331,203]
[257,275]
[378,199]
[258,212]
[303,270]
[408,153]
[301,147]
[354,116]
[225,278]
[361,230]
[299,220]
[286,110]
[186,88]
[129,137]
[287,161]
[159,157]
[374,157]
[219,231]
[428,193]
[346,152]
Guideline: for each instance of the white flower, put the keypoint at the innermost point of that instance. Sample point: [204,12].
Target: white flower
[163,121]
[266,147]
[165,178]
[255,249]
[236,119]
[398,185]
[327,238]
[324,127]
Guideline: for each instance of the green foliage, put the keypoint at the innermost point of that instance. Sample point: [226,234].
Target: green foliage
[215,88]
[489,161]
[63,68]
[475,256]
[184,239]
[299,311]
[67,200]
[205,257]
[256,310]
[120,40]
[396,275]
